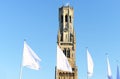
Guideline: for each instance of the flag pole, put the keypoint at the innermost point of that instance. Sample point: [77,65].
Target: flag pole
[21,68]
[87,74]
[87,61]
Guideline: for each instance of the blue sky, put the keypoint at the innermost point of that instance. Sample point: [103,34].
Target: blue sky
[96,23]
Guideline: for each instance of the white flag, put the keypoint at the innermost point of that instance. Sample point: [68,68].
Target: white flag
[30,59]
[62,61]
[90,64]
[109,69]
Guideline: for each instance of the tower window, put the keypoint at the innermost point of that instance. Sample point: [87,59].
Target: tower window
[70,19]
[61,18]
[73,69]
[66,18]
[68,53]
[61,37]
[64,51]
[71,37]
[60,74]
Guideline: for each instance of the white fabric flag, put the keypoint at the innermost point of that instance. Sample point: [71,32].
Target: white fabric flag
[90,64]
[62,61]
[109,69]
[30,59]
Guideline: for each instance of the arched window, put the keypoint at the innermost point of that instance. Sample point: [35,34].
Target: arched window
[70,19]
[61,37]
[60,74]
[64,51]
[68,53]
[71,37]
[66,18]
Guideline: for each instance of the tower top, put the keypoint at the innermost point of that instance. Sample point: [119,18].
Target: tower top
[67,5]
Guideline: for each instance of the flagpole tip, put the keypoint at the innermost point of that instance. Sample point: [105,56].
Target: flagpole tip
[24,39]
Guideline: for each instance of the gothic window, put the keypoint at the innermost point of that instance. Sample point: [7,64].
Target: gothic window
[70,19]
[61,18]
[66,18]
[68,53]
[64,51]
[71,37]
[60,74]
[61,37]
[66,74]
[73,69]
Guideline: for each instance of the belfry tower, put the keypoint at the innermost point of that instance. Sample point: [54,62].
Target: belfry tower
[67,41]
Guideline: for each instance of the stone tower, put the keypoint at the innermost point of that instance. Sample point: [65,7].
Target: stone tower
[67,42]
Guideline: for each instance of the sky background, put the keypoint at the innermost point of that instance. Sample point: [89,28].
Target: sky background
[96,23]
